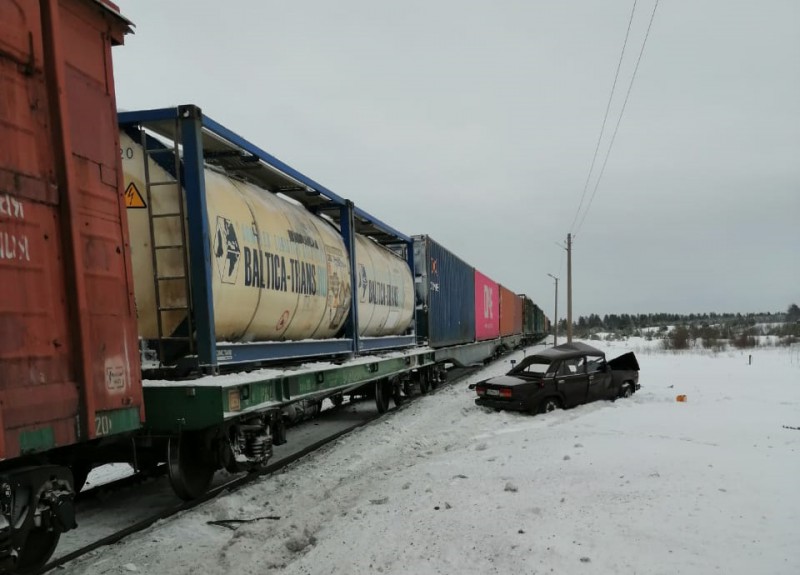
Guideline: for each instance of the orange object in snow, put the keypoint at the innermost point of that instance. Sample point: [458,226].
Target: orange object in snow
[681,398]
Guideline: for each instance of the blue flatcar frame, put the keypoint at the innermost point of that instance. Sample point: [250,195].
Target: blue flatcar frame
[192,125]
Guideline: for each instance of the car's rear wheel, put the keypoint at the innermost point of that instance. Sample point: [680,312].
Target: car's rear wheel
[549,404]
[627,390]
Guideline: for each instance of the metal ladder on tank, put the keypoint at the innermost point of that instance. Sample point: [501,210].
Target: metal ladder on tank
[156,248]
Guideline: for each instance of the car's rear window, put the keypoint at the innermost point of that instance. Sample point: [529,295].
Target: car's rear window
[533,366]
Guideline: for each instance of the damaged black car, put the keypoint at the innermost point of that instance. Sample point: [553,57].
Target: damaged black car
[560,377]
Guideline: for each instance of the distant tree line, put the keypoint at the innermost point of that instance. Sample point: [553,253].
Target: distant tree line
[681,331]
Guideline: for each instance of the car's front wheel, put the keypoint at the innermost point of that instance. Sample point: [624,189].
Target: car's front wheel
[549,404]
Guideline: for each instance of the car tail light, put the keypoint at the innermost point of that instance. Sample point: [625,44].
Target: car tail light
[505,392]
[480,390]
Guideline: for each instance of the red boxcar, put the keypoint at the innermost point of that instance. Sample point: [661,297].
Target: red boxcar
[510,312]
[69,361]
[487,308]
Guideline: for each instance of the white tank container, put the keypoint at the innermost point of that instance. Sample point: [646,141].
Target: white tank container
[278,271]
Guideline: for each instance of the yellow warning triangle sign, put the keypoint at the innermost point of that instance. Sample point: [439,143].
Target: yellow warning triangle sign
[133,199]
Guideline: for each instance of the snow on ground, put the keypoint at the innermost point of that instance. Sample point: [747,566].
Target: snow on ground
[643,485]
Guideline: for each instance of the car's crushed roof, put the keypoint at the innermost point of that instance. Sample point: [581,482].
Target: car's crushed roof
[566,350]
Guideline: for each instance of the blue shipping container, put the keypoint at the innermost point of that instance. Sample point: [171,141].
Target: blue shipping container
[445,287]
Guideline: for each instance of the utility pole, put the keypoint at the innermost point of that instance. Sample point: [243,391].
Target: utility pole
[555,313]
[569,288]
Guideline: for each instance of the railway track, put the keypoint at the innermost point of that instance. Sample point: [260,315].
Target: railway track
[304,448]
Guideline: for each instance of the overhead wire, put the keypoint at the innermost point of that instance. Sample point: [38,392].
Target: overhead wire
[605,117]
[619,119]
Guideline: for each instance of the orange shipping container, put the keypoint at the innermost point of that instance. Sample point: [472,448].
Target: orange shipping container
[510,313]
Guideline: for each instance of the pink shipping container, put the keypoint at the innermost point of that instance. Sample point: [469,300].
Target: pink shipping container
[510,312]
[487,308]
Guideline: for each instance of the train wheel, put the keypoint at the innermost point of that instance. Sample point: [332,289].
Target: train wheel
[397,394]
[383,391]
[279,431]
[337,399]
[433,377]
[424,381]
[189,471]
[38,548]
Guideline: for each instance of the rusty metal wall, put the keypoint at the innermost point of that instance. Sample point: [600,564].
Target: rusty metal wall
[68,346]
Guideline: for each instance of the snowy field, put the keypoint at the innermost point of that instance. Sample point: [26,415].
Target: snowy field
[643,485]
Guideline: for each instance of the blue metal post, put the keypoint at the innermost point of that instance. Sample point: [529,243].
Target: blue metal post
[348,235]
[410,260]
[191,123]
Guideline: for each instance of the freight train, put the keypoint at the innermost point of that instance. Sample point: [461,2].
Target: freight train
[171,292]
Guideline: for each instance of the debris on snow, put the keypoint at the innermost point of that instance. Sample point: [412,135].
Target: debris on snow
[299,542]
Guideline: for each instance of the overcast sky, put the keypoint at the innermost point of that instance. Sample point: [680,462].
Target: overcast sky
[475,122]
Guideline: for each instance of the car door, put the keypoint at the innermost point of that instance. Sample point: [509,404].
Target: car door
[600,379]
[572,381]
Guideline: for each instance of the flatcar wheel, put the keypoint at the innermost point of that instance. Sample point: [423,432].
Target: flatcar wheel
[38,548]
[424,381]
[397,394]
[383,391]
[189,472]
[433,378]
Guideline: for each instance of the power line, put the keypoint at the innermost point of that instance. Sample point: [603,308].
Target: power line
[619,120]
[605,118]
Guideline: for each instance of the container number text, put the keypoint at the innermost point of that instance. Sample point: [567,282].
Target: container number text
[102,425]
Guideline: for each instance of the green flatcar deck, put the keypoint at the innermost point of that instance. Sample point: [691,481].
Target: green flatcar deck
[174,406]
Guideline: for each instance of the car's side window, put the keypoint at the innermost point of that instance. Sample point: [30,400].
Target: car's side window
[594,364]
[571,366]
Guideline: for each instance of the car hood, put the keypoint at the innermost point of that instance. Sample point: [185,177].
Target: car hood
[624,361]
[504,380]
